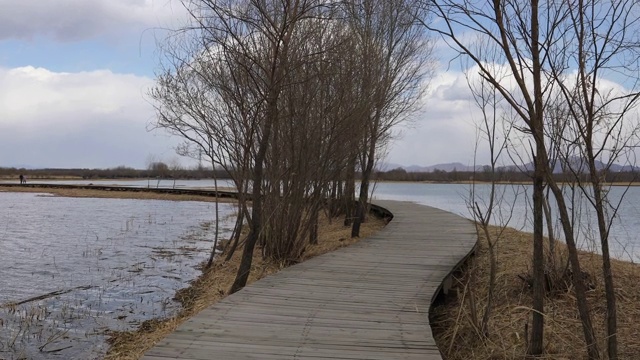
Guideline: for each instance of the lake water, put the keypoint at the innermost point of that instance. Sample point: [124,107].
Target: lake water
[99,264]
[109,264]
[515,210]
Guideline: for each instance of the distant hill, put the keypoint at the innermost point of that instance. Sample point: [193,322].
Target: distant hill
[578,165]
[446,167]
[20,166]
[388,166]
[456,166]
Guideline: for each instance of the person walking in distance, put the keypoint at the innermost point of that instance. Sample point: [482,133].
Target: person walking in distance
[22,180]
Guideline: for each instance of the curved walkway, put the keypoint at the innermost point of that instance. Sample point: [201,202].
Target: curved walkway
[366,301]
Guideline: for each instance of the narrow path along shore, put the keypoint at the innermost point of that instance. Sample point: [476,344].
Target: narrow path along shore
[366,301]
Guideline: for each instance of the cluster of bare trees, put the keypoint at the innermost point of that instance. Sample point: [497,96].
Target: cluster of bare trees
[559,81]
[292,98]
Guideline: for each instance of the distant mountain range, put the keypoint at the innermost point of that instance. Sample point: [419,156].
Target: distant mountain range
[447,167]
[21,166]
[577,164]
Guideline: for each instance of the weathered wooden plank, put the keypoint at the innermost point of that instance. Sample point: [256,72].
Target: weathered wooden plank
[366,301]
[405,318]
[190,350]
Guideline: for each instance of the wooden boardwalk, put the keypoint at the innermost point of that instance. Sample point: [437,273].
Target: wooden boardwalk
[366,301]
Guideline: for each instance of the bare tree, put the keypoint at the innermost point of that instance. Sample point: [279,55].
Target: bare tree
[519,36]
[601,126]
[188,95]
[561,58]
[309,139]
[276,93]
[392,52]
[489,208]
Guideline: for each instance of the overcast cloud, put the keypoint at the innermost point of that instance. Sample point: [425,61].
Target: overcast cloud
[86,119]
[73,20]
[443,130]
[73,85]
[100,119]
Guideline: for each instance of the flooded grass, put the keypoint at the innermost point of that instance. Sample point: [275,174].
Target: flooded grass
[75,269]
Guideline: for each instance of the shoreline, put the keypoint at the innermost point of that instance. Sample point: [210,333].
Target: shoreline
[477,182]
[106,194]
[12,181]
[211,285]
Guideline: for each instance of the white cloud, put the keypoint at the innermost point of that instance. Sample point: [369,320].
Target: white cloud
[86,119]
[71,20]
[28,93]
[99,119]
[444,130]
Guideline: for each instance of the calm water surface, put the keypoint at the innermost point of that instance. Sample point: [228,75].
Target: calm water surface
[79,267]
[515,211]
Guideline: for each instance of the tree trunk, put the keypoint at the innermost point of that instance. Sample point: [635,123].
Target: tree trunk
[364,190]
[349,193]
[612,327]
[357,221]
[254,232]
[333,196]
[549,221]
[313,231]
[217,212]
[536,344]
[536,117]
[235,237]
[578,282]
[256,200]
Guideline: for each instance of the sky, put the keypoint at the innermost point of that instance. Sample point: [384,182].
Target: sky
[75,76]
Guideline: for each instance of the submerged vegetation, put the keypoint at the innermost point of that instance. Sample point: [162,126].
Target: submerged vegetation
[67,280]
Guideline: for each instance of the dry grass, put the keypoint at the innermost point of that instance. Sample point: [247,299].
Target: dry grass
[214,284]
[92,193]
[457,338]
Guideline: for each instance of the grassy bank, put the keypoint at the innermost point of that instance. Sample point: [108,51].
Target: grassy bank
[458,338]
